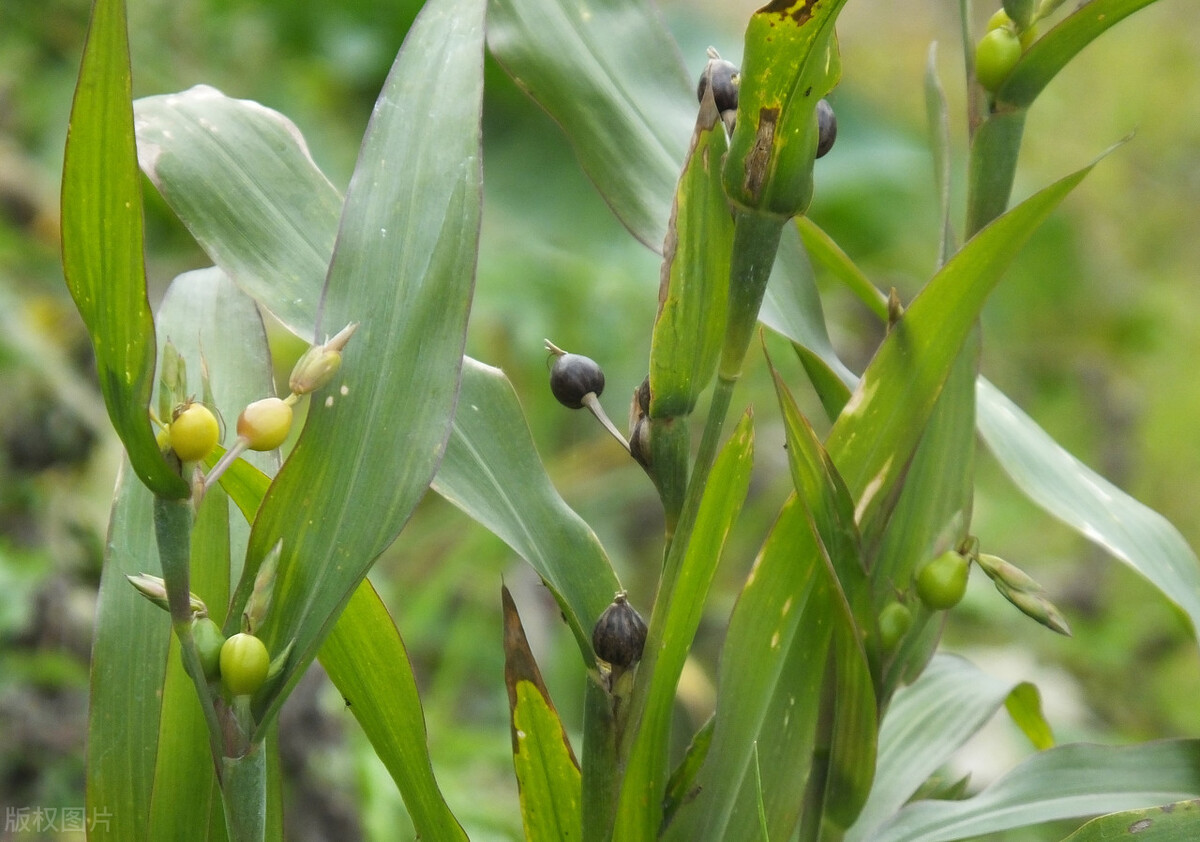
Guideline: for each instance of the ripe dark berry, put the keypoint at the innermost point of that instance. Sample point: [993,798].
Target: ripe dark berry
[826,128]
[725,78]
[620,633]
[573,377]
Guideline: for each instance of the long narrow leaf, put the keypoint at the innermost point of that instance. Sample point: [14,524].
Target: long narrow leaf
[769,691]
[547,772]
[492,471]
[1051,53]
[926,723]
[1175,822]
[126,680]
[877,432]
[610,75]
[367,662]
[266,214]
[1084,500]
[102,236]
[403,268]
[640,807]
[1068,782]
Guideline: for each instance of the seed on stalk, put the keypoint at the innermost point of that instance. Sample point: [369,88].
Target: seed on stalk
[620,634]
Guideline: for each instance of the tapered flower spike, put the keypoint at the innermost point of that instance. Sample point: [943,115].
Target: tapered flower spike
[319,363]
[155,590]
[1019,588]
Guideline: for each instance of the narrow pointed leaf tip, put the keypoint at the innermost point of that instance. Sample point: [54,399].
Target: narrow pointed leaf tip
[102,242]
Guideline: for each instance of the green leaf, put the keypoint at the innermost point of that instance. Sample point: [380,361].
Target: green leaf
[367,662]
[769,690]
[926,723]
[240,177]
[678,616]
[403,268]
[682,783]
[1084,500]
[126,681]
[1051,52]
[1071,781]
[873,439]
[1175,822]
[937,117]
[1024,705]
[492,472]
[790,61]
[844,760]
[932,513]
[102,242]
[694,292]
[611,76]
[547,772]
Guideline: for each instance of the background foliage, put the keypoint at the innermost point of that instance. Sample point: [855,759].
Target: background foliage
[1092,333]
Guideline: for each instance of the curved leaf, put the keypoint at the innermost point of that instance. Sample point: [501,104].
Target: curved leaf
[266,214]
[1067,782]
[678,614]
[1084,500]
[873,439]
[610,75]
[102,242]
[124,699]
[1051,52]
[367,662]
[492,472]
[926,723]
[1169,823]
[403,268]
[547,772]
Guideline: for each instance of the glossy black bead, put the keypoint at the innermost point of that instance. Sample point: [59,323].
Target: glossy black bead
[574,376]
[725,78]
[826,128]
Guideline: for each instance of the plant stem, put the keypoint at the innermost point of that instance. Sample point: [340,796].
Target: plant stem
[244,793]
[173,533]
[992,167]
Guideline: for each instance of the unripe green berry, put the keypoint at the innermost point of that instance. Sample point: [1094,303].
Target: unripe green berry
[244,664]
[894,622]
[942,582]
[208,639]
[996,55]
[265,423]
[194,432]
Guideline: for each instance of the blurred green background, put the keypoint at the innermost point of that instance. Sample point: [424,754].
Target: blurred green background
[1094,332]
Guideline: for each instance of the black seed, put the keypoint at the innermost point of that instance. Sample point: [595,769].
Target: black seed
[826,128]
[574,376]
[620,633]
[725,81]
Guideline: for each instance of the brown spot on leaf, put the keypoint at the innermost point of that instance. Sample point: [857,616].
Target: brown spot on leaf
[800,11]
[759,158]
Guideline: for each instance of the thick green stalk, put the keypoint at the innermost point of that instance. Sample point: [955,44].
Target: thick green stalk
[599,772]
[173,532]
[244,792]
[992,167]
